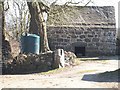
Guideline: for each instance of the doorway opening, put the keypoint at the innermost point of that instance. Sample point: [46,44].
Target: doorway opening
[79,51]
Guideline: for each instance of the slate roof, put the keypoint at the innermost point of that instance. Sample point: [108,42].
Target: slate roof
[81,15]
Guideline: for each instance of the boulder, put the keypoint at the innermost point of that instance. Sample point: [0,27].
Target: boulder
[69,56]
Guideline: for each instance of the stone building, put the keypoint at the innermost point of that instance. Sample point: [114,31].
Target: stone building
[86,31]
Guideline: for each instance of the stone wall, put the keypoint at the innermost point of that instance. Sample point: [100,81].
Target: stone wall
[33,63]
[97,40]
[30,63]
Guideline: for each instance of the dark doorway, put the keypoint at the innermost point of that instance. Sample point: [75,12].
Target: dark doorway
[80,51]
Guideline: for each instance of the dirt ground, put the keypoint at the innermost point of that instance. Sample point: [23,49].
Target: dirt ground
[84,75]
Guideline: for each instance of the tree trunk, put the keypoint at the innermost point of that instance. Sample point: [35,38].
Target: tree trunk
[3,24]
[38,19]
[6,48]
[33,28]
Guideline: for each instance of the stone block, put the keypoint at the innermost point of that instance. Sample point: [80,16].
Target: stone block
[87,40]
[79,32]
[86,32]
[95,39]
[64,36]
[90,44]
[64,43]
[89,35]
[60,39]
[73,36]
[59,47]
[96,36]
[89,29]
[82,36]
[79,40]
[66,40]
[59,58]
[59,31]
[72,31]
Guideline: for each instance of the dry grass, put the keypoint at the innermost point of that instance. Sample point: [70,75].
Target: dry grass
[55,71]
[86,71]
[76,61]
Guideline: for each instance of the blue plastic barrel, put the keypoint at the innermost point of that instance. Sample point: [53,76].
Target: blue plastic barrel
[30,43]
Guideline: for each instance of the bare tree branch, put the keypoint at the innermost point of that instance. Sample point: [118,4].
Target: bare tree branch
[7,6]
[54,3]
[87,2]
[67,3]
[75,3]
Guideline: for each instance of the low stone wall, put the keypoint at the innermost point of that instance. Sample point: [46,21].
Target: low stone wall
[97,40]
[32,63]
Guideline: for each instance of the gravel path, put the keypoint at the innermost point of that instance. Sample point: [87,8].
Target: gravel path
[81,76]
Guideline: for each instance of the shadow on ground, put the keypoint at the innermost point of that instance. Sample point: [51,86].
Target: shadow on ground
[22,71]
[112,76]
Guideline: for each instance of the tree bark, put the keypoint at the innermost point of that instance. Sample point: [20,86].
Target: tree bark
[3,20]
[33,28]
[38,18]
[6,48]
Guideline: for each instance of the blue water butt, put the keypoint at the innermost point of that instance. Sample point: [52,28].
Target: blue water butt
[30,43]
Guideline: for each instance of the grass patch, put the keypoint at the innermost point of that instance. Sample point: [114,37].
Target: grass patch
[86,71]
[55,71]
[76,61]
